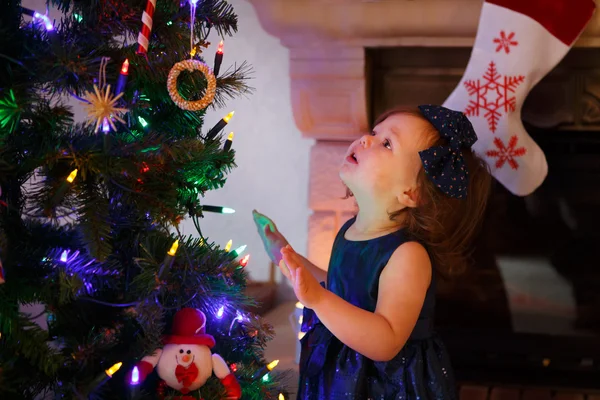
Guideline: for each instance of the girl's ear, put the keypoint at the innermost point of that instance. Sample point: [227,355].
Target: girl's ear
[409,198]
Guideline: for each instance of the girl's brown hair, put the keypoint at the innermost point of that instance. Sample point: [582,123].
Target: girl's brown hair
[445,225]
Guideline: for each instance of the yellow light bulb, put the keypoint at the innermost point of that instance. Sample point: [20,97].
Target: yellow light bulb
[228,116]
[228,246]
[230,136]
[174,247]
[299,305]
[301,335]
[272,365]
[72,176]
[281,397]
[112,370]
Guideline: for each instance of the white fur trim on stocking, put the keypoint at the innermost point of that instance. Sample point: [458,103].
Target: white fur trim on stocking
[513,51]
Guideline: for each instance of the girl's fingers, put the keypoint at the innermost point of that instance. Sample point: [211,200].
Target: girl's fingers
[284,270]
[290,261]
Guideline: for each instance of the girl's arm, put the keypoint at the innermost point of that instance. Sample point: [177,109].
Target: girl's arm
[378,335]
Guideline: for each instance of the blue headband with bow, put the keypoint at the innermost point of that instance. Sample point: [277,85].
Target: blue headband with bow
[445,165]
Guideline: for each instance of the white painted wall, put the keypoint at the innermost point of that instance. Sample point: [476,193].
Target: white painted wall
[272,157]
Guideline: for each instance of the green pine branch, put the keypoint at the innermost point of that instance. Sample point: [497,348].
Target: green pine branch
[94,221]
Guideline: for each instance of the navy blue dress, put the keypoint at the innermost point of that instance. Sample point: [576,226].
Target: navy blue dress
[330,370]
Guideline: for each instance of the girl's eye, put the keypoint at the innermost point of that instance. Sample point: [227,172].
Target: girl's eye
[387,144]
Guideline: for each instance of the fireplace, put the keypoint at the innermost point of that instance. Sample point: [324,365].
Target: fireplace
[528,311]
[529,307]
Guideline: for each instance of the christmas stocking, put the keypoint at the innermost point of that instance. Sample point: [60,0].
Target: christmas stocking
[518,42]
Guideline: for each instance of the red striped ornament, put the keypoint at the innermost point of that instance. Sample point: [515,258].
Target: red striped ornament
[144,36]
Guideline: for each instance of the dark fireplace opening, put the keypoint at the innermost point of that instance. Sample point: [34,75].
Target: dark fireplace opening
[528,310]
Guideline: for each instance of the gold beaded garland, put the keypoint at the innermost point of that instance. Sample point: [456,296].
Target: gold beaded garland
[211,85]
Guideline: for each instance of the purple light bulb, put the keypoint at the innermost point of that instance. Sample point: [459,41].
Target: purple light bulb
[135,376]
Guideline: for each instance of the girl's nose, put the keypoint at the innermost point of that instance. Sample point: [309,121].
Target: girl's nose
[365,140]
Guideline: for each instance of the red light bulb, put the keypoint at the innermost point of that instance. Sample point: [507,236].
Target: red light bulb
[125,67]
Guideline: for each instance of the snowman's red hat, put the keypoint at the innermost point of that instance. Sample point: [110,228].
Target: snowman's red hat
[189,327]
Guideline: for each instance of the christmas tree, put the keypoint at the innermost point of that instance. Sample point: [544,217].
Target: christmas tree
[90,210]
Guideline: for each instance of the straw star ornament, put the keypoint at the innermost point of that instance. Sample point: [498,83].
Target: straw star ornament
[102,107]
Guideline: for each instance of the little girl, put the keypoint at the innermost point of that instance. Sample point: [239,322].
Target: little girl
[421,193]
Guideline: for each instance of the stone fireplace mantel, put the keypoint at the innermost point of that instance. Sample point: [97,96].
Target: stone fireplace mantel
[375,23]
[330,82]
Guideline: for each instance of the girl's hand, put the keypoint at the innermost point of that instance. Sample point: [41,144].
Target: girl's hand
[306,287]
[272,239]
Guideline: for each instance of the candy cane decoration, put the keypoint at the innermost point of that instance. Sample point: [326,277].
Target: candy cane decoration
[144,36]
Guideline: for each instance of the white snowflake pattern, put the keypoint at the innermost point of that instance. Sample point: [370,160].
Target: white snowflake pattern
[493,94]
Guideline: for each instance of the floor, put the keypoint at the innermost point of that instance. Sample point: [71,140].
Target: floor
[283,348]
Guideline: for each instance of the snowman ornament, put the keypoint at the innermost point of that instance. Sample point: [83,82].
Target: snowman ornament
[185,362]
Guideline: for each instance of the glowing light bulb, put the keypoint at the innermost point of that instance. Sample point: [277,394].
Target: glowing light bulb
[174,247]
[112,370]
[281,397]
[228,116]
[228,245]
[299,305]
[220,48]
[220,312]
[272,365]
[143,122]
[125,67]
[227,210]
[72,176]
[135,376]
[105,125]
[244,261]
[228,142]
[239,250]
[64,256]
[212,133]
[301,335]
[45,20]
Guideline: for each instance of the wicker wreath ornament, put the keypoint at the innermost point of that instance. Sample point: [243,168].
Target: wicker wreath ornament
[211,85]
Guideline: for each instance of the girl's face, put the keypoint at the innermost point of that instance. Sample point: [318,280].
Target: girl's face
[384,166]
